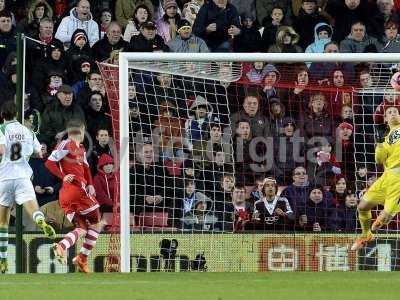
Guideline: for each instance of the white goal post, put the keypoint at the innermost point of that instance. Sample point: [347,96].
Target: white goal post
[128,60]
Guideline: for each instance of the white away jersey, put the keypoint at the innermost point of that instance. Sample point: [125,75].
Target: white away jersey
[20,143]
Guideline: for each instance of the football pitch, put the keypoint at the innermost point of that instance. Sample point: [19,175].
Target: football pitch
[208,286]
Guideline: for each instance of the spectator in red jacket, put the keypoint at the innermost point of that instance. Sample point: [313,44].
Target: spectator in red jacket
[104,183]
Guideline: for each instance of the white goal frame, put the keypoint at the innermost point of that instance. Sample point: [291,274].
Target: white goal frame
[125,58]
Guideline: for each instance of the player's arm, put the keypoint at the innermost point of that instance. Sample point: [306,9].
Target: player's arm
[381,154]
[37,147]
[52,163]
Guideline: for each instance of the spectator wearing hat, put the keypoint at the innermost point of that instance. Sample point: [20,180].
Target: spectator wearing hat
[348,166]
[110,42]
[345,14]
[52,84]
[8,42]
[148,40]
[391,39]
[104,183]
[305,23]
[322,36]
[141,14]
[186,41]
[271,25]
[316,214]
[79,50]
[53,61]
[272,76]
[79,18]
[38,10]
[217,22]
[125,11]
[251,111]
[57,114]
[286,41]
[288,151]
[167,25]
[249,39]
[358,41]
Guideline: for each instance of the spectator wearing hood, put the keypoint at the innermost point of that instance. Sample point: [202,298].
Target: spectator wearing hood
[46,184]
[256,72]
[141,15]
[52,83]
[270,81]
[358,40]
[348,166]
[251,111]
[216,23]
[200,117]
[148,40]
[391,39]
[286,41]
[305,23]
[167,24]
[322,36]
[111,41]
[38,10]
[186,41]
[79,18]
[287,151]
[104,182]
[316,215]
[79,50]
[53,62]
[276,116]
[249,39]
[8,43]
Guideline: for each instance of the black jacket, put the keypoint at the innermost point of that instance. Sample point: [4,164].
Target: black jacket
[139,43]
[102,48]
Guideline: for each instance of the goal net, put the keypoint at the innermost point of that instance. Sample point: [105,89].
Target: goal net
[246,162]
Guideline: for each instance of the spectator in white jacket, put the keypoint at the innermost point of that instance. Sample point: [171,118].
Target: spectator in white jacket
[79,18]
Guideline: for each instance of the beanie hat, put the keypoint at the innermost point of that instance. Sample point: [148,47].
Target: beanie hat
[182,24]
[169,3]
[78,36]
[346,125]
[105,159]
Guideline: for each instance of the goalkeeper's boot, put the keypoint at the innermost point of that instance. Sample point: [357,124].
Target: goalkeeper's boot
[3,265]
[362,241]
[81,263]
[59,253]
[47,229]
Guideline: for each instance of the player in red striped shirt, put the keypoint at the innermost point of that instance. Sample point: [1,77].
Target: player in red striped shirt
[77,195]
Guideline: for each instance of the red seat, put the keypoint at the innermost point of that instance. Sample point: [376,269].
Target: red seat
[156,219]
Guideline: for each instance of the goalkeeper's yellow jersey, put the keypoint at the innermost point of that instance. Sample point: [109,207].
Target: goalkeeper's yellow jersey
[388,153]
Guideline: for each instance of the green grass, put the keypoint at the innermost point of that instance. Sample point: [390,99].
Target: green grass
[208,286]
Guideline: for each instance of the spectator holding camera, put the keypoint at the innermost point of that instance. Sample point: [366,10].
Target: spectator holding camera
[217,23]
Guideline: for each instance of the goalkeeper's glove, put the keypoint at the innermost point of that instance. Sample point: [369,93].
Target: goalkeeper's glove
[380,134]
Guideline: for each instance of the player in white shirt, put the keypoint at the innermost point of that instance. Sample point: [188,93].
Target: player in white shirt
[17,144]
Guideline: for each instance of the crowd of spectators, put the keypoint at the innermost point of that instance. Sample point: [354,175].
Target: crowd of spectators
[205,171]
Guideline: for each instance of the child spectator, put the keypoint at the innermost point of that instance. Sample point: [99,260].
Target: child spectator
[345,134]
[243,210]
[271,25]
[345,214]
[346,114]
[276,116]
[322,36]
[257,193]
[105,21]
[102,145]
[325,167]
[286,41]
[141,15]
[249,39]
[104,183]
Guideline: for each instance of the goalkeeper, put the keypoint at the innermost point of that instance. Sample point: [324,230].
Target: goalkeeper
[386,190]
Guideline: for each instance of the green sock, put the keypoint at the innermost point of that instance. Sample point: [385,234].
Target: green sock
[365,218]
[3,242]
[38,216]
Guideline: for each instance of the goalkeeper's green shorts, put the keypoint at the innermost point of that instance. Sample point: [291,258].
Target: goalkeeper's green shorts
[386,191]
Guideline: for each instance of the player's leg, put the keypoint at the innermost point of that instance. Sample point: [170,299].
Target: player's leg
[67,242]
[92,234]
[372,198]
[25,195]
[4,221]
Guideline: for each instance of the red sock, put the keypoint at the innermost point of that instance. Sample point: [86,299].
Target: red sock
[90,241]
[70,239]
